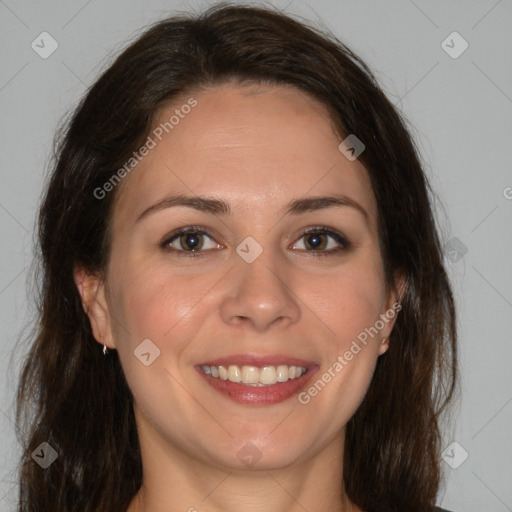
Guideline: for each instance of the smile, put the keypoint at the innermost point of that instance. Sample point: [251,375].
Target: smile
[257,379]
[254,375]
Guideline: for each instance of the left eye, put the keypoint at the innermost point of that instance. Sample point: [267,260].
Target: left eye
[321,240]
[191,241]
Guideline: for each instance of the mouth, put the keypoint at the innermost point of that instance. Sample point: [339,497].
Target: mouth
[257,380]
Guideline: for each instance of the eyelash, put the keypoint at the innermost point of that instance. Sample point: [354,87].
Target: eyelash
[340,239]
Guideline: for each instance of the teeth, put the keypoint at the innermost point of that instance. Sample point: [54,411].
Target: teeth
[268,375]
[223,373]
[250,375]
[234,373]
[254,376]
[282,373]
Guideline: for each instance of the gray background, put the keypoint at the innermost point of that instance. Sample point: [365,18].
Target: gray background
[460,112]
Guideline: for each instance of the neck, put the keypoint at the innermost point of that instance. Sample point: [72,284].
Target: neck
[273,491]
[173,481]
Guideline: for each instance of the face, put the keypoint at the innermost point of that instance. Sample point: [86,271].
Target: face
[224,255]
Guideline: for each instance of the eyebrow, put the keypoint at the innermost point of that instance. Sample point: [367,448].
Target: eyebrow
[220,207]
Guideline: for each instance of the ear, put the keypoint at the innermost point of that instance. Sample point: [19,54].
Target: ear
[393,305]
[92,291]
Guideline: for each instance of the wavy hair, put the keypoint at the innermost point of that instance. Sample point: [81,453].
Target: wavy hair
[74,398]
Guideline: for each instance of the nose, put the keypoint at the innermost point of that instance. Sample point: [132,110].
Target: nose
[260,296]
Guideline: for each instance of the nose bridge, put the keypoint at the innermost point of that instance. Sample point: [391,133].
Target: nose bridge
[259,293]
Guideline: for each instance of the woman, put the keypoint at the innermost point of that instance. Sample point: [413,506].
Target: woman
[244,305]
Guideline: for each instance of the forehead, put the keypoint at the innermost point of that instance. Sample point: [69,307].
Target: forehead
[257,147]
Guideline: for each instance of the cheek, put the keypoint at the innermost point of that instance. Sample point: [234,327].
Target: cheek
[166,308]
[348,301]
[350,305]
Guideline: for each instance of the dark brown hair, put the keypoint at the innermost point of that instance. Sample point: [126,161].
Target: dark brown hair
[76,399]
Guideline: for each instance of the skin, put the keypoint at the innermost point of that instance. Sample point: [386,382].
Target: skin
[257,148]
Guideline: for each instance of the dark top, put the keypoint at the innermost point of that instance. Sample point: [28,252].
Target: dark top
[437,509]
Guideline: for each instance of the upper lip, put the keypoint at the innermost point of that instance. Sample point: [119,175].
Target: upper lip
[258,360]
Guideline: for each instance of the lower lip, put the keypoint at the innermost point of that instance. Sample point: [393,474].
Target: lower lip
[259,395]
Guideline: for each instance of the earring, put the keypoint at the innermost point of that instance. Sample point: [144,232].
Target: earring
[383,340]
[105,350]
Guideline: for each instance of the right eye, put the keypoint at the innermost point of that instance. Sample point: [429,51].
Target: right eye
[190,240]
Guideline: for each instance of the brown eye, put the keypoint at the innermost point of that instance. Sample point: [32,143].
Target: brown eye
[315,241]
[321,241]
[190,240]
